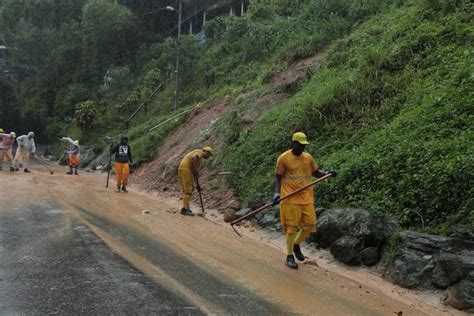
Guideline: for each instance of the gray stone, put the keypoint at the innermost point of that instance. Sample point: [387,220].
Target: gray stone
[89,154]
[268,219]
[347,250]
[448,270]
[242,212]
[335,223]
[370,256]
[461,296]
[427,261]
[255,202]
[229,215]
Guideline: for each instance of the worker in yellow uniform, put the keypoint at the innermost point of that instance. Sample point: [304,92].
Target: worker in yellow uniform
[188,172]
[294,169]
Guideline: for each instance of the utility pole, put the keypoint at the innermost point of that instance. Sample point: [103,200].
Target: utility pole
[178,46]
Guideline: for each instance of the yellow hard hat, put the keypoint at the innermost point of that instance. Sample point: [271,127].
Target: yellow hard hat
[1,130]
[300,138]
[208,149]
[13,134]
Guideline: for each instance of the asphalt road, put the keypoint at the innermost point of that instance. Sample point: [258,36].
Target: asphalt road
[69,246]
[52,264]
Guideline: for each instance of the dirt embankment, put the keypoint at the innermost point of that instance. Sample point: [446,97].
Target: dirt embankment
[299,68]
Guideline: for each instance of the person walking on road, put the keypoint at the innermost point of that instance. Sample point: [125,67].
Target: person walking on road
[123,157]
[294,169]
[73,155]
[26,146]
[188,172]
[6,143]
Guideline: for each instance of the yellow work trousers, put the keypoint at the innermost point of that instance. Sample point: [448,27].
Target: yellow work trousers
[298,216]
[22,158]
[6,153]
[187,184]
[122,171]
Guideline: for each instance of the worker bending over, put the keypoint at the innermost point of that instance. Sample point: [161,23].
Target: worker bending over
[294,169]
[123,157]
[188,172]
[73,154]
[26,146]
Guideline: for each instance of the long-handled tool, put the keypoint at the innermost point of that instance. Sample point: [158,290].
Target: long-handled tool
[200,195]
[43,163]
[272,203]
[109,141]
[108,171]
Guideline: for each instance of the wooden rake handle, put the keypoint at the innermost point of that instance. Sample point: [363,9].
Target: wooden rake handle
[281,199]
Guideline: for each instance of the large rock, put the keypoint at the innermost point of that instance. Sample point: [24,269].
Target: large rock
[371,229]
[88,154]
[347,250]
[448,270]
[101,162]
[256,202]
[370,256]
[229,215]
[427,261]
[461,295]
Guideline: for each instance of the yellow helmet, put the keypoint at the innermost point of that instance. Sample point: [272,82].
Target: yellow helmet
[208,149]
[300,138]
[13,134]
[1,130]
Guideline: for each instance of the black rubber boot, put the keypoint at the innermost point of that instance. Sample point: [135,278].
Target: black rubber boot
[124,188]
[298,254]
[27,171]
[186,211]
[291,263]
[12,169]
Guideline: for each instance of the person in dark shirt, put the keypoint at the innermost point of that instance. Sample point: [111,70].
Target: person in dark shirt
[123,157]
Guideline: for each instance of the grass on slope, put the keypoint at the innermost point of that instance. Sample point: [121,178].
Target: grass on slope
[392,111]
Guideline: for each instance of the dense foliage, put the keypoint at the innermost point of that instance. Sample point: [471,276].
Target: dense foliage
[392,111]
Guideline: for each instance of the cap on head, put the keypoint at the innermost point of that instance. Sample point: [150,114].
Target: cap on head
[300,138]
[208,149]
[31,134]
[13,134]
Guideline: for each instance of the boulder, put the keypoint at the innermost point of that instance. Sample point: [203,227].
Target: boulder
[88,154]
[319,211]
[347,250]
[234,204]
[370,256]
[448,270]
[267,219]
[426,261]
[229,215]
[373,230]
[461,296]
[255,202]
[460,231]
[101,162]
[242,212]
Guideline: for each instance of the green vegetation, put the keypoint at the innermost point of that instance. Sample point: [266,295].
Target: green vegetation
[390,109]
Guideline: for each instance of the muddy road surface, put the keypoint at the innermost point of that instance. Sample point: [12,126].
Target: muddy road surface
[69,246]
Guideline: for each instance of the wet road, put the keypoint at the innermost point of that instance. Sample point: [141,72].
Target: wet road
[69,246]
[52,264]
